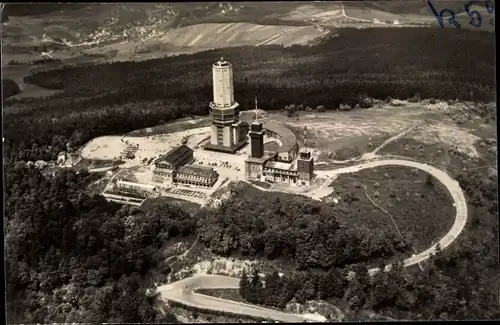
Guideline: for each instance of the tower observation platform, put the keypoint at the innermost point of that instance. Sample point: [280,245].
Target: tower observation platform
[227,133]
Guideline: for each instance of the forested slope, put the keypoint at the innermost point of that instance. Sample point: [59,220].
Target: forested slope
[460,283]
[75,258]
[293,228]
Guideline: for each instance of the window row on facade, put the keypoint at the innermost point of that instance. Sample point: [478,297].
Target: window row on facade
[279,172]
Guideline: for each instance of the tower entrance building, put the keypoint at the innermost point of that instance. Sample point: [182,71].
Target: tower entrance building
[227,133]
[254,164]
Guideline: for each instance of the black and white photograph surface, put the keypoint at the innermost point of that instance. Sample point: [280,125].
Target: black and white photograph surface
[218,162]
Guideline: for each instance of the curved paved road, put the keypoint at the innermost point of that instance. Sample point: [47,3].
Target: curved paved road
[451,185]
[183,291]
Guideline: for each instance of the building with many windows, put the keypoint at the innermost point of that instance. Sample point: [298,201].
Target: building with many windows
[269,166]
[174,168]
[196,175]
[299,172]
[228,133]
[168,163]
[284,165]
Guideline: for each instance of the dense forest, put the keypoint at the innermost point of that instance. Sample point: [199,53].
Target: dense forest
[9,88]
[457,286]
[75,258]
[292,228]
[71,257]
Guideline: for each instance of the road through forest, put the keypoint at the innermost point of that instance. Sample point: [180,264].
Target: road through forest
[183,291]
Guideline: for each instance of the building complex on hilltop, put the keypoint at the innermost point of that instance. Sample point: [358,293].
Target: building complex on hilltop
[228,134]
[281,166]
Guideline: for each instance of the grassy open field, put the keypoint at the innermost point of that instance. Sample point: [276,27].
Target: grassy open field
[403,10]
[348,134]
[207,36]
[465,151]
[421,211]
[314,11]
[219,35]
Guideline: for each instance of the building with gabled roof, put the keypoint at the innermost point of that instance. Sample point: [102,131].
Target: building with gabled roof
[175,168]
[176,157]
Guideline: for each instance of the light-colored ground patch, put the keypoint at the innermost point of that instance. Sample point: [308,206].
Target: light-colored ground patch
[314,310]
[312,11]
[110,147]
[335,129]
[201,37]
[221,266]
[227,164]
[370,14]
[449,134]
[218,35]
[139,174]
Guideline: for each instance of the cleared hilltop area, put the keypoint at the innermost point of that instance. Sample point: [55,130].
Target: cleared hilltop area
[352,138]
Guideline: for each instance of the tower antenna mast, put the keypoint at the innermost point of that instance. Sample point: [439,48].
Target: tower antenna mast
[305,137]
[256,114]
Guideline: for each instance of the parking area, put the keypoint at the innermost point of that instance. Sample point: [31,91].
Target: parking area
[227,165]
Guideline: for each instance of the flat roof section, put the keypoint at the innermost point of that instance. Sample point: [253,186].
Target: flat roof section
[201,171]
[267,156]
[281,165]
[219,148]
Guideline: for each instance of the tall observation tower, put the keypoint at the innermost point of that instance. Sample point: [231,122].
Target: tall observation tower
[227,132]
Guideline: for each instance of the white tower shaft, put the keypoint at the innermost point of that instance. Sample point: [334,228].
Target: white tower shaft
[222,72]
